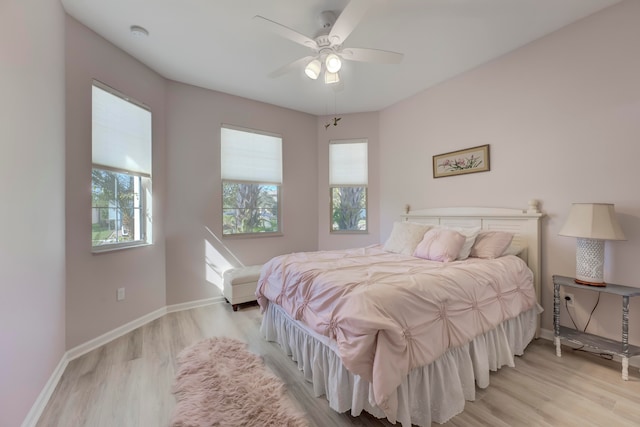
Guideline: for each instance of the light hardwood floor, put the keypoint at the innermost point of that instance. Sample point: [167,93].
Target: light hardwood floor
[127,382]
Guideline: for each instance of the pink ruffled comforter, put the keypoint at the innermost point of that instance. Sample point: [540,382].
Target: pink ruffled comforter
[391,313]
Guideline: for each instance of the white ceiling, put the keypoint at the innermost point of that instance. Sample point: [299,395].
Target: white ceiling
[215,44]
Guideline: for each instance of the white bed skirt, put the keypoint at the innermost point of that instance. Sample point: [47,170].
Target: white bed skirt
[435,392]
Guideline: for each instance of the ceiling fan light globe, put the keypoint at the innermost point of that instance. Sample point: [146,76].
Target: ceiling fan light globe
[333,63]
[313,68]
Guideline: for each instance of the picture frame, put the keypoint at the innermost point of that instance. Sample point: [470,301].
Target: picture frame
[469,160]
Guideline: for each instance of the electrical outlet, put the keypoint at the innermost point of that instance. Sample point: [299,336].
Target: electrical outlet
[120,295]
[569,299]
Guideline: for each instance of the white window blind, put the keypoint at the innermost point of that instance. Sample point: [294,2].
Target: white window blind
[348,162]
[121,133]
[251,157]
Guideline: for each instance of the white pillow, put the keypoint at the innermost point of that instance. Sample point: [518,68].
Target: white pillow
[469,234]
[513,250]
[440,244]
[405,236]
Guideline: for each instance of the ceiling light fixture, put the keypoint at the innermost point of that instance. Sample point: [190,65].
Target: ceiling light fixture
[333,63]
[313,68]
[138,32]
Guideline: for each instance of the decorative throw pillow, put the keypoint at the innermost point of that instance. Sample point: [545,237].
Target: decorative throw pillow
[470,234]
[491,244]
[405,236]
[440,245]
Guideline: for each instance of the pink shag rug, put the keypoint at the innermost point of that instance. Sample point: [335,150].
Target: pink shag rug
[220,383]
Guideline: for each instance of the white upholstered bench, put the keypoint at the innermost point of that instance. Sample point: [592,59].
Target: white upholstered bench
[239,284]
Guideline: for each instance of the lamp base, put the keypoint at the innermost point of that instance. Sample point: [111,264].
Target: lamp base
[590,261]
[584,282]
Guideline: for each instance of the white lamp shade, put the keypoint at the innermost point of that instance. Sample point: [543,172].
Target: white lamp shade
[592,221]
[312,70]
[333,63]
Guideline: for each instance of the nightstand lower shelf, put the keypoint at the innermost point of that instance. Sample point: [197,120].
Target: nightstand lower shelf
[600,344]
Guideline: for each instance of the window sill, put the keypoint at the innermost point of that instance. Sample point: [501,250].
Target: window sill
[251,235]
[362,232]
[111,248]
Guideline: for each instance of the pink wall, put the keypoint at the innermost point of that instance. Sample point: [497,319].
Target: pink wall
[351,126]
[32,276]
[562,116]
[93,279]
[194,117]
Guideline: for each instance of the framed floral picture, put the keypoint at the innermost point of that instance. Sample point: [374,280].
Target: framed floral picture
[470,160]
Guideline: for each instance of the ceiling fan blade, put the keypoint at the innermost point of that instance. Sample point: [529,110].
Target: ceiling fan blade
[348,20]
[291,66]
[371,55]
[285,32]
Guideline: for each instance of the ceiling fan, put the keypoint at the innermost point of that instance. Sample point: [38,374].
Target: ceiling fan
[328,44]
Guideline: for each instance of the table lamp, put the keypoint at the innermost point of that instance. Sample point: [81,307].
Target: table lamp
[592,224]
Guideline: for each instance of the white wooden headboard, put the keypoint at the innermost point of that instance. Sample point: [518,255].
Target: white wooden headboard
[523,223]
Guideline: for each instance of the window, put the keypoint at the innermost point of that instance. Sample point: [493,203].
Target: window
[121,170]
[348,178]
[251,168]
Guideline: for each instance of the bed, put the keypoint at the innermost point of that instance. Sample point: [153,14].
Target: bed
[407,337]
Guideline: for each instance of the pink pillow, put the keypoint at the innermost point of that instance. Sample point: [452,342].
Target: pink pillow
[440,244]
[491,244]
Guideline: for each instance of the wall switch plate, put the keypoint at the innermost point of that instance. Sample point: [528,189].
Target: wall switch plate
[120,295]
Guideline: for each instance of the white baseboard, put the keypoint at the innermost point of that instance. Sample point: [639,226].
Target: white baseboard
[194,304]
[43,398]
[546,334]
[86,347]
[41,402]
